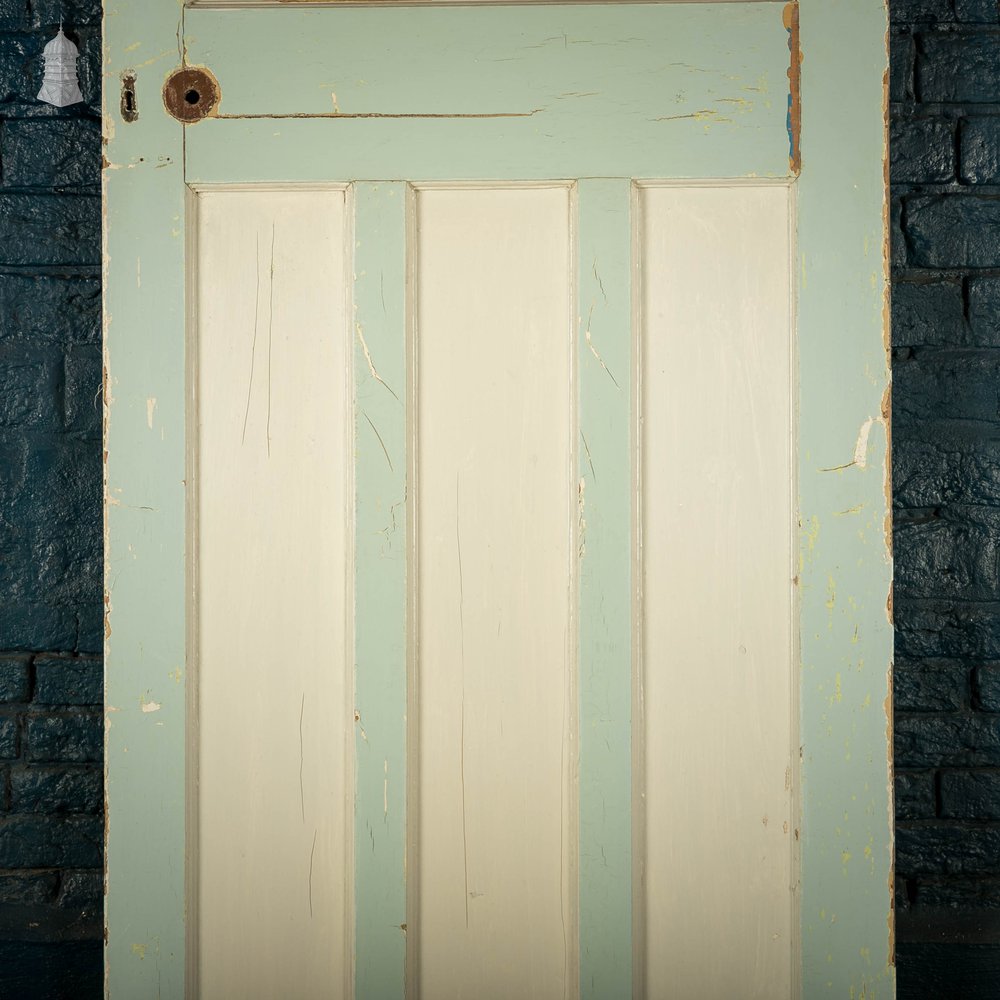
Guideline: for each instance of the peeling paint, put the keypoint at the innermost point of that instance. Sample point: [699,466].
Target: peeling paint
[861,445]
[371,364]
[790,18]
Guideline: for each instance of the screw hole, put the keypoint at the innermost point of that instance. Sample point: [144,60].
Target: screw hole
[192,96]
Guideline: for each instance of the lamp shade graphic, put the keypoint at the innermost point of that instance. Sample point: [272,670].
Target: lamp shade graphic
[59,84]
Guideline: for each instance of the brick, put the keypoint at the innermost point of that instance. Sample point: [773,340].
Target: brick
[44,309]
[910,11]
[950,552]
[76,737]
[83,367]
[45,229]
[953,231]
[987,687]
[31,380]
[979,157]
[51,153]
[58,789]
[26,15]
[935,686]
[90,625]
[958,892]
[929,313]
[83,889]
[14,15]
[977,11]
[948,385]
[914,794]
[14,678]
[946,629]
[28,888]
[26,624]
[921,151]
[961,68]
[47,970]
[947,849]
[56,502]
[902,57]
[89,70]
[984,310]
[20,65]
[8,737]
[51,842]
[923,741]
[970,794]
[938,466]
[949,970]
[75,12]
[65,681]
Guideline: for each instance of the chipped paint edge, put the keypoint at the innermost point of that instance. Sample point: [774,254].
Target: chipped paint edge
[790,19]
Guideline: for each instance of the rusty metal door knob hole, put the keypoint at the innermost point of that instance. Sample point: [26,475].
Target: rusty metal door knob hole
[191,93]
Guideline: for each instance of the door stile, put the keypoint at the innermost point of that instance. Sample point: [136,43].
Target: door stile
[845,552]
[381,559]
[604,552]
[144,504]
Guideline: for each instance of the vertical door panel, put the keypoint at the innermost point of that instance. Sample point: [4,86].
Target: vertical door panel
[716,564]
[271,541]
[495,832]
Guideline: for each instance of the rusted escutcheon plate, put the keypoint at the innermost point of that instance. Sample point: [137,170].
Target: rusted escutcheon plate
[191,93]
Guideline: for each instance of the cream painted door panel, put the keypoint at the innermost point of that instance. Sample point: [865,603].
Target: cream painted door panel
[496,511]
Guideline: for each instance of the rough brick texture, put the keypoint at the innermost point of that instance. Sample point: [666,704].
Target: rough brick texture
[945,173]
[51,783]
[51,822]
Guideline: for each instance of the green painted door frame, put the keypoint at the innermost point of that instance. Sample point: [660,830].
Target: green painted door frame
[711,93]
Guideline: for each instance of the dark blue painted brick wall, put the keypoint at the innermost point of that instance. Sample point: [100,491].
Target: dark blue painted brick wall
[51,793]
[945,173]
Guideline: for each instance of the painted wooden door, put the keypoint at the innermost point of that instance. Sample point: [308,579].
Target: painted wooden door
[496,445]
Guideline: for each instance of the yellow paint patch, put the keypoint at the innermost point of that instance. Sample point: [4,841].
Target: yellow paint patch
[140,950]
